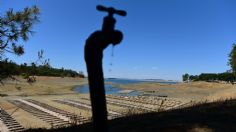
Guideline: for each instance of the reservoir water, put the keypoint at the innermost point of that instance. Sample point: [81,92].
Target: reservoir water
[109,89]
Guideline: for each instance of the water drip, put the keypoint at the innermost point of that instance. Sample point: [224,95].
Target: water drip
[111,60]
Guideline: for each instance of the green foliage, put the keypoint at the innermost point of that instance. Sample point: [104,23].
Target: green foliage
[226,76]
[232,59]
[193,77]
[185,77]
[9,68]
[15,26]
[208,76]
[229,77]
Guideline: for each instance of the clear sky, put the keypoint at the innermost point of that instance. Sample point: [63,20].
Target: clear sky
[162,38]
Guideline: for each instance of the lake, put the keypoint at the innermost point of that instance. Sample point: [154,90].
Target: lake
[109,89]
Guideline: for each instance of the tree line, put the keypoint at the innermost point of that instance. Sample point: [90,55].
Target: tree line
[229,76]
[9,68]
[210,77]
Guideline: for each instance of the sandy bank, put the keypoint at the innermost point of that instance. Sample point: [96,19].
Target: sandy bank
[193,90]
[43,85]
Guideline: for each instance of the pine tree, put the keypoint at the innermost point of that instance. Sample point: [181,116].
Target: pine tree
[15,27]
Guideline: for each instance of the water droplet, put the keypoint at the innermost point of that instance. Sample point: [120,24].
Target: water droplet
[111,60]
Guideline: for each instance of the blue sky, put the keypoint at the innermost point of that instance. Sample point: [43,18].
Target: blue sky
[162,38]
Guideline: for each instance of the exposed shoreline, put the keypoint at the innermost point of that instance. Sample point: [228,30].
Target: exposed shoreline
[43,85]
[47,89]
[192,90]
[60,86]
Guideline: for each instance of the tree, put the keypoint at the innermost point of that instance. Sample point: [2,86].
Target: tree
[185,77]
[228,77]
[208,77]
[16,26]
[193,77]
[232,59]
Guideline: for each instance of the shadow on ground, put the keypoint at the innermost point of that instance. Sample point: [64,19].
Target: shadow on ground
[217,116]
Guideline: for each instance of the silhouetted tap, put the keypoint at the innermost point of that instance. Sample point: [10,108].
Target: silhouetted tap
[109,21]
[95,44]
